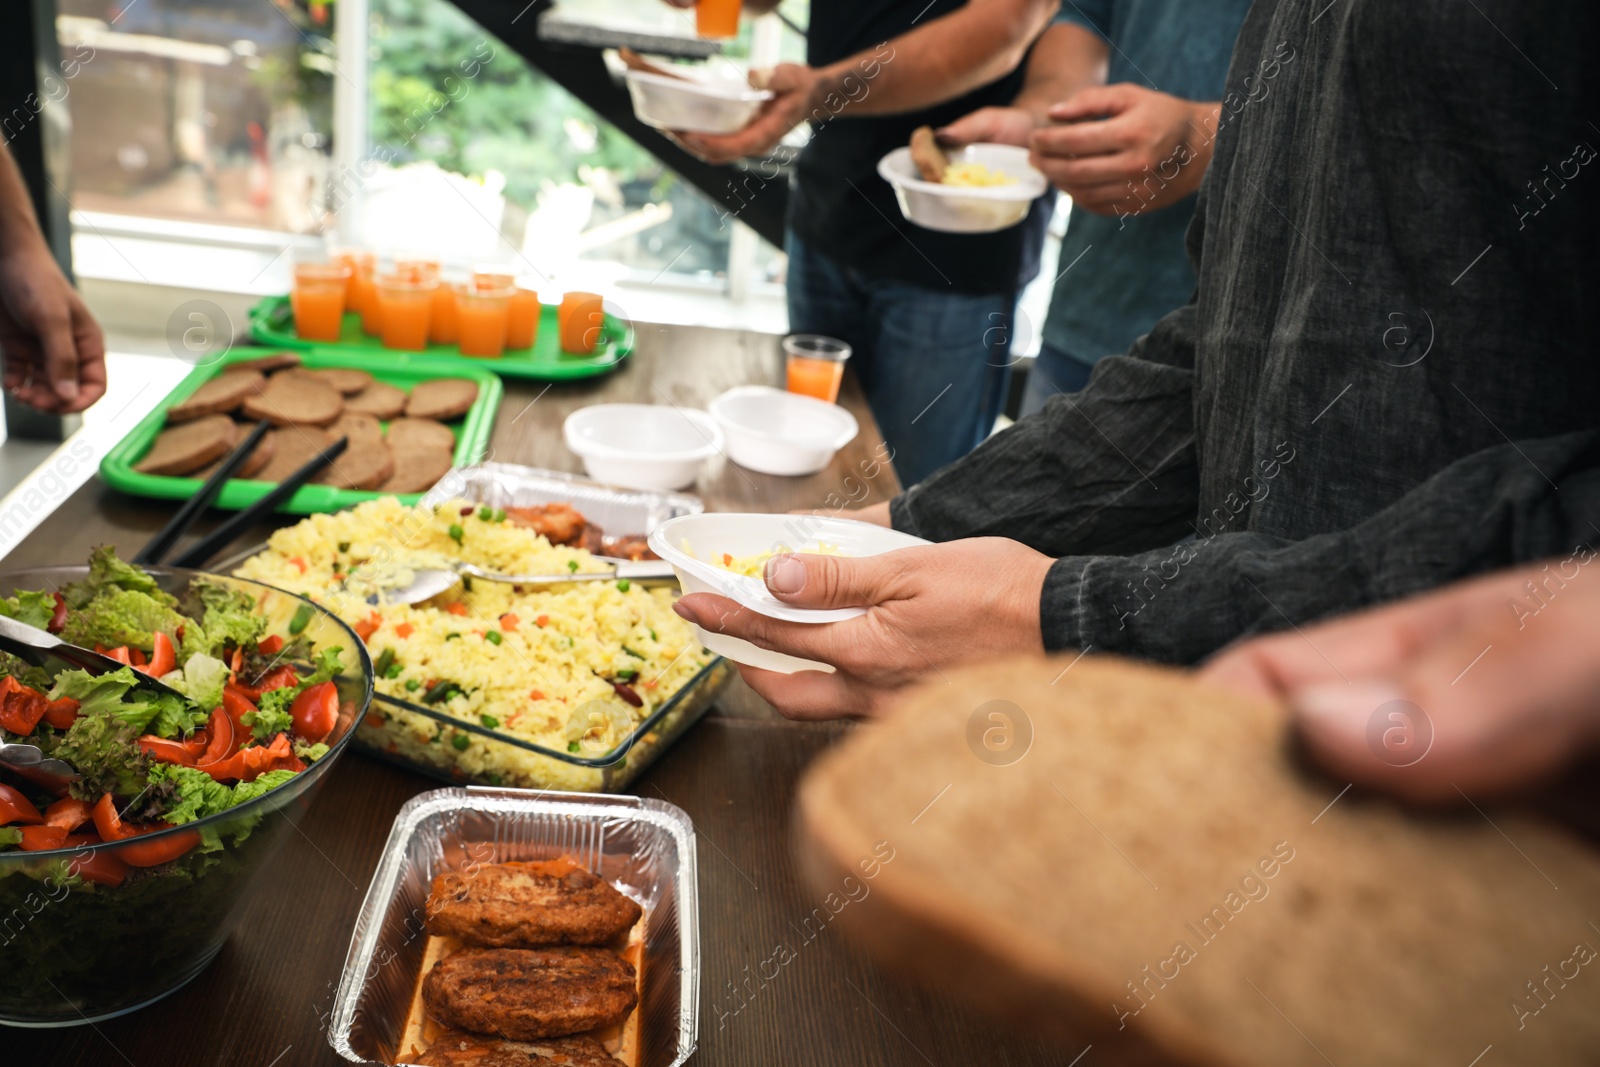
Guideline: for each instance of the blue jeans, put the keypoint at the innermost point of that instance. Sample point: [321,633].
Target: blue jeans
[1053,372]
[934,365]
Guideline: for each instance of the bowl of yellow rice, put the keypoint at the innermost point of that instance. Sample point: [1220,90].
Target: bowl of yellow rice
[986,187]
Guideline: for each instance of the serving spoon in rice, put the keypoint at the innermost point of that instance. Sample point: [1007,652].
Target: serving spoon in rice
[427,583]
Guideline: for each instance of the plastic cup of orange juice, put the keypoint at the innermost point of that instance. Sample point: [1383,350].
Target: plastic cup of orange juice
[444,322]
[492,276]
[417,268]
[404,306]
[581,320]
[816,365]
[522,319]
[717,18]
[483,314]
[318,300]
[361,263]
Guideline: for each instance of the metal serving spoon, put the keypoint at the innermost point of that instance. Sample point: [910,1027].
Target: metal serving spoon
[429,583]
[34,645]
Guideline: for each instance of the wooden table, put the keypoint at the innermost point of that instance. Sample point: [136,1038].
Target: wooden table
[265,1001]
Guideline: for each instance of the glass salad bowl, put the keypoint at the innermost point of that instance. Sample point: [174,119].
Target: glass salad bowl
[94,931]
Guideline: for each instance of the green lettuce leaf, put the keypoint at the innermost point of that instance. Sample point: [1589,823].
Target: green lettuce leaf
[250,790]
[129,617]
[197,794]
[310,753]
[104,751]
[10,836]
[328,667]
[107,573]
[33,609]
[272,717]
[201,680]
[113,695]
[228,616]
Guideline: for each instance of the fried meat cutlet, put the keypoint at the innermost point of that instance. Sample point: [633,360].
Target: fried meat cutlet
[522,905]
[525,994]
[457,1048]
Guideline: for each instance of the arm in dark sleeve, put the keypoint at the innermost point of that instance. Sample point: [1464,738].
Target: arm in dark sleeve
[1109,469]
[1512,504]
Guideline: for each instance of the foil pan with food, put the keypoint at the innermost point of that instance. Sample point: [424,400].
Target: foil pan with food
[513,926]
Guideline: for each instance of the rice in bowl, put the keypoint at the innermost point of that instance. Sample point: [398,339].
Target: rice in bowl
[558,666]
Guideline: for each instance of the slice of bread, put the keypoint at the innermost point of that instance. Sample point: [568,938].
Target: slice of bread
[1118,855]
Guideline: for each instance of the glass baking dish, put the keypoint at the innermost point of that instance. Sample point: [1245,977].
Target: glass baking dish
[646,848]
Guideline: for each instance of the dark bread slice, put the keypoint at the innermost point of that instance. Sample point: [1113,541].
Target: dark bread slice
[380,400]
[429,433]
[442,398]
[1153,872]
[364,464]
[346,380]
[357,427]
[293,448]
[267,364]
[188,446]
[220,395]
[417,468]
[294,399]
[258,458]
[929,158]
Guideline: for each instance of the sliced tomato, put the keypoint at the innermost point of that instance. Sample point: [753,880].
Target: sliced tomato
[237,705]
[58,617]
[62,713]
[270,646]
[41,838]
[316,711]
[100,866]
[277,678]
[69,813]
[16,808]
[163,658]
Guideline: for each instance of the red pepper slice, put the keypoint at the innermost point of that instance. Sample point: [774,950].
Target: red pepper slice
[41,838]
[68,813]
[142,854]
[100,866]
[62,713]
[121,655]
[277,678]
[162,659]
[16,808]
[21,707]
[222,737]
[58,618]
[248,764]
[270,646]
[168,750]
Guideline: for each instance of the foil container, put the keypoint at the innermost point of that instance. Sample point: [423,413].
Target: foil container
[618,512]
[646,848]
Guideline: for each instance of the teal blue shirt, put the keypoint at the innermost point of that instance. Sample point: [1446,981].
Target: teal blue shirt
[1118,276]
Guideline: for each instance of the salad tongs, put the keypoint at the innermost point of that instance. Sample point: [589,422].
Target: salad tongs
[33,645]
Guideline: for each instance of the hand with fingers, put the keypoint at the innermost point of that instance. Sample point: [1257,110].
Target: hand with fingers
[1482,687]
[54,353]
[989,125]
[928,608]
[798,92]
[1125,150]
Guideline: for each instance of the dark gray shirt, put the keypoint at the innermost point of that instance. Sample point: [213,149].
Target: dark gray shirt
[1387,378]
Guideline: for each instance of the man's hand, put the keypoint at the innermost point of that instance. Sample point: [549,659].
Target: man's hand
[990,125]
[799,91]
[928,608]
[1478,688]
[1125,150]
[54,351]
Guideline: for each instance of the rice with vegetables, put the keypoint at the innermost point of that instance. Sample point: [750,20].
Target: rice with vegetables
[570,667]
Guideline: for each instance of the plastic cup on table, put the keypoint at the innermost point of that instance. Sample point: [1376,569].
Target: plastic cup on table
[815,365]
[717,18]
[417,268]
[483,321]
[522,319]
[492,276]
[444,317]
[318,300]
[582,320]
[363,265]
[403,306]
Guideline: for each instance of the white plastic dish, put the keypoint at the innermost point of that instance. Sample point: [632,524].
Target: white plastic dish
[642,446]
[773,431]
[690,542]
[696,106]
[963,209]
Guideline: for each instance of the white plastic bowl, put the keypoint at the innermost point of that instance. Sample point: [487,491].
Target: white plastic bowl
[689,542]
[959,209]
[691,105]
[642,446]
[778,432]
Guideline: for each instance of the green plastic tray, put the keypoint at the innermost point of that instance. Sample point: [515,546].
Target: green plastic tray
[272,323]
[402,370]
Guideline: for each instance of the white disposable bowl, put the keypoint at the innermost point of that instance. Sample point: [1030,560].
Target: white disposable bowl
[956,209]
[774,431]
[694,106]
[689,542]
[642,446]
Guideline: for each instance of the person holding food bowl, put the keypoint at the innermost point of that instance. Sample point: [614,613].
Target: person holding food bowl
[929,315]
[1121,108]
[1382,385]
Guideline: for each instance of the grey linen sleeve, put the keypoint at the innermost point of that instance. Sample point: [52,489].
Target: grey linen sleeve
[1109,469]
[1515,503]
